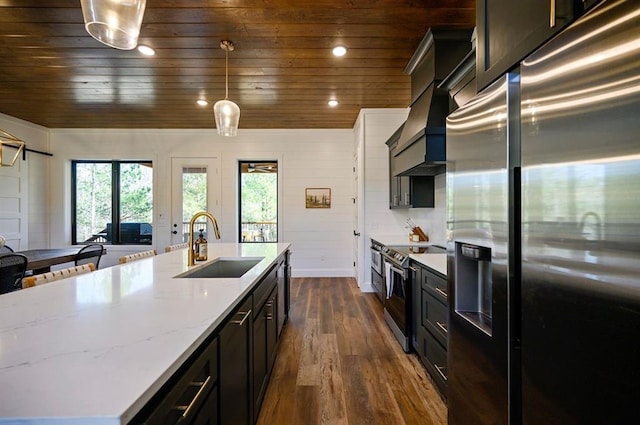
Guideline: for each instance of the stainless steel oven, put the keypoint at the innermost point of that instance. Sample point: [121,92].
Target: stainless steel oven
[377,270]
[397,306]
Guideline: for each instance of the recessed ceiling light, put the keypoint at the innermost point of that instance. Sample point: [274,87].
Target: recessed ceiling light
[146,50]
[202,102]
[339,51]
[333,103]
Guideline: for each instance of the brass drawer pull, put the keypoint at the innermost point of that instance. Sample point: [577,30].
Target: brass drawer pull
[440,371]
[552,13]
[201,392]
[441,292]
[241,322]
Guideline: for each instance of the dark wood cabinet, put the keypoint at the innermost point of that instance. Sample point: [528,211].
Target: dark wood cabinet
[271,311]
[259,360]
[236,366]
[411,192]
[430,321]
[507,31]
[265,335]
[225,380]
[408,191]
[191,395]
[282,307]
[416,301]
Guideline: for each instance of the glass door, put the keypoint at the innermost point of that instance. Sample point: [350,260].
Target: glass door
[195,187]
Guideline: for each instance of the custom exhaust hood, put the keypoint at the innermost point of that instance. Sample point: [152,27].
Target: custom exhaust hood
[421,147]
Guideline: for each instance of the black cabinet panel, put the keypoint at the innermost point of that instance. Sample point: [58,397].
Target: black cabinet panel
[436,356]
[190,396]
[412,192]
[430,322]
[225,380]
[236,367]
[435,285]
[208,414]
[283,284]
[259,360]
[435,317]
[416,302]
[265,338]
[507,31]
[271,309]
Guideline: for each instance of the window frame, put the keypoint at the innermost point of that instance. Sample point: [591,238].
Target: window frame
[239,194]
[115,198]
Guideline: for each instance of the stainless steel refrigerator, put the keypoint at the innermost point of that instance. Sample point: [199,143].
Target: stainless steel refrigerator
[543,195]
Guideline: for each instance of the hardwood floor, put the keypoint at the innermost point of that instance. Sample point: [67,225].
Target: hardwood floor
[338,363]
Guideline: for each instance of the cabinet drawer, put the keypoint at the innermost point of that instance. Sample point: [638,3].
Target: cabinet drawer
[189,398]
[435,285]
[264,288]
[435,317]
[434,357]
[208,414]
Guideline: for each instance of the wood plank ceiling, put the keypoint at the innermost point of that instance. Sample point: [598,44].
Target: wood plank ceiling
[281,73]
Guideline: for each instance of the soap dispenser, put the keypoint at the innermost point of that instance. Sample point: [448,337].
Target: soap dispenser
[201,247]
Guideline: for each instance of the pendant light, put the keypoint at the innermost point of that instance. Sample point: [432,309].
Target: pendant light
[10,141]
[115,23]
[226,112]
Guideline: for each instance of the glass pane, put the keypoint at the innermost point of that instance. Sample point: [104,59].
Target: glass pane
[93,202]
[194,199]
[136,203]
[259,201]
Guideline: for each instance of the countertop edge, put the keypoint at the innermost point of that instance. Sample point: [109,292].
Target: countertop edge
[435,262]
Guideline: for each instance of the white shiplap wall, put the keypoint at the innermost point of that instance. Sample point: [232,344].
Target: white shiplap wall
[323,242]
[373,128]
[321,239]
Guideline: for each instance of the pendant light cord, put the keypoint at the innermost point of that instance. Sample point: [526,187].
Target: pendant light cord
[226,75]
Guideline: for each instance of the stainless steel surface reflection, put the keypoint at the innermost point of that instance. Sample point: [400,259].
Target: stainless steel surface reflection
[581,222]
[581,153]
[478,215]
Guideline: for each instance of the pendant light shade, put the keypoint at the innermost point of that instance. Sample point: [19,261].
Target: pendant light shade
[226,112]
[227,116]
[8,140]
[115,23]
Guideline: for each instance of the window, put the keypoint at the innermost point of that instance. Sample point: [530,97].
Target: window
[112,202]
[258,201]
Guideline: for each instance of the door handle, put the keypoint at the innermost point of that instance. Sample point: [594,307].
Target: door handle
[175,232]
[356,233]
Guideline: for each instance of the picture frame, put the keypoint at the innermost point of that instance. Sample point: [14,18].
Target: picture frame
[317,197]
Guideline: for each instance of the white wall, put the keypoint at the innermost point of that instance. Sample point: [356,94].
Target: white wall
[323,242]
[321,238]
[373,128]
[24,188]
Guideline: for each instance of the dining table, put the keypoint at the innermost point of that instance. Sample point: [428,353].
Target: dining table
[41,260]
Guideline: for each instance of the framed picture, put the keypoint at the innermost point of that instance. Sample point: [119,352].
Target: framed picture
[316,197]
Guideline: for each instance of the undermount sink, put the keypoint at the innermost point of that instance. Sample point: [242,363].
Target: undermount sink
[229,267]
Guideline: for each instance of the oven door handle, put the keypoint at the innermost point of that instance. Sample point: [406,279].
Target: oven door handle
[397,270]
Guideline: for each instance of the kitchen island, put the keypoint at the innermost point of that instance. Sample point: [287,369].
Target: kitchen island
[97,348]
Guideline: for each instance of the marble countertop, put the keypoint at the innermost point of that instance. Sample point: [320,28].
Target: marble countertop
[93,349]
[437,262]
